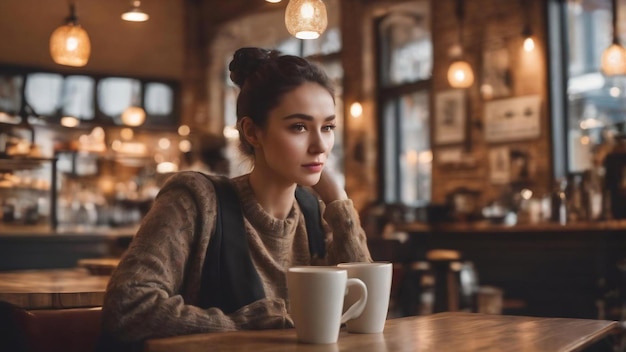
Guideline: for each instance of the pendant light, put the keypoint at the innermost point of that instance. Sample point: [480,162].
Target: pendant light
[69,43]
[133,116]
[529,42]
[460,74]
[614,57]
[306,19]
[135,14]
[527,32]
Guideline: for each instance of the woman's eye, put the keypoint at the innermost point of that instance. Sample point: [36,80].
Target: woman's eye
[298,127]
[329,128]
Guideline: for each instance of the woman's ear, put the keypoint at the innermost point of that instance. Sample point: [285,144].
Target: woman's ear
[249,130]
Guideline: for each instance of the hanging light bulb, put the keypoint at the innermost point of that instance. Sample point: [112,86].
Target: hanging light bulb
[527,32]
[614,57]
[460,74]
[133,116]
[273,1]
[69,43]
[614,60]
[529,42]
[135,14]
[356,110]
[306,19]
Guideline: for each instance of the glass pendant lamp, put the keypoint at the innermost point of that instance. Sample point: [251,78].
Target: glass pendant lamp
[69,43]
[460,73]
[306,19]
[614,57]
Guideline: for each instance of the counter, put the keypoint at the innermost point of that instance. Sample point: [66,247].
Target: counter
[23,248]
[487,227]
[575,270]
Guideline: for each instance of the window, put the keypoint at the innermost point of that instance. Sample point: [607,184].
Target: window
[92,99]
[405,66]
[588,108]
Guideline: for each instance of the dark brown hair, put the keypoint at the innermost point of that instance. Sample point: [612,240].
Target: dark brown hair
[264,76]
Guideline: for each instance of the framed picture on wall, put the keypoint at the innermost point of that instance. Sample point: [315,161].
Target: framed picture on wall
[450,116]
[513,119]
[497,79]
[499,165]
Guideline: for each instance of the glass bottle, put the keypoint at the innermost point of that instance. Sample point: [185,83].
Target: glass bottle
[558,200]
[615,178]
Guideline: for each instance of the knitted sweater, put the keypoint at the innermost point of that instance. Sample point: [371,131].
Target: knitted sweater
[154,292]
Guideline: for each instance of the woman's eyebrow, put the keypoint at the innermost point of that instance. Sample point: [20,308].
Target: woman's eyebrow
[306,117]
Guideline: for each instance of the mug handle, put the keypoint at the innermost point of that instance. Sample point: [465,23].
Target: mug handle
[357,308]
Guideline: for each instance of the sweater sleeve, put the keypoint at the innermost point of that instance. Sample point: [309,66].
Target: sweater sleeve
[348,242]
[145,296]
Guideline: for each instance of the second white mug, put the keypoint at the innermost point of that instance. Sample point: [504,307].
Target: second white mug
[377,277]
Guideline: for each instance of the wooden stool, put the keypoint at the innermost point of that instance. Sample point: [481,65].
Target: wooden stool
[446,266]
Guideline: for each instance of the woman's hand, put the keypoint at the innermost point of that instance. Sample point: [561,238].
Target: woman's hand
[328,187]
[266,313]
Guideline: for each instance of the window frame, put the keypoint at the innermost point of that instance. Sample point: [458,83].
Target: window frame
[388,93]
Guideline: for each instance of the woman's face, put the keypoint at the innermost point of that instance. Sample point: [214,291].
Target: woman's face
[298,137]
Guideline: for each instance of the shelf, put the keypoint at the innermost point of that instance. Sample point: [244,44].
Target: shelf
[22,163]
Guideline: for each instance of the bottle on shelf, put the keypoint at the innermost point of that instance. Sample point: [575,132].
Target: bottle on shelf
[615,178]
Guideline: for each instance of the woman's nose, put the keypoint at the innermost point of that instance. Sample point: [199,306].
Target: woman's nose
[320,142]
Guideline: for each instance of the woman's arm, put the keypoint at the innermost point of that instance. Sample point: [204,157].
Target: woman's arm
[144,297]
[348,242]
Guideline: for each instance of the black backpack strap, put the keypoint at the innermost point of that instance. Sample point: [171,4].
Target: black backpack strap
[229,279]
[315,231]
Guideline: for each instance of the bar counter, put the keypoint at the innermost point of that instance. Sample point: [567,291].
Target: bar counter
[39,247]
[575,270]
[487,227]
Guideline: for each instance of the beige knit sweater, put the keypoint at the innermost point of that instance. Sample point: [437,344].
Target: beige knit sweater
[154,291]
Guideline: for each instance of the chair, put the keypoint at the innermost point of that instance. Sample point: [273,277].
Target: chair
[67,330]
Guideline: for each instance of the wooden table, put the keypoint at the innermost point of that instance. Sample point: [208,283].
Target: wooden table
[439,332]
[52,289]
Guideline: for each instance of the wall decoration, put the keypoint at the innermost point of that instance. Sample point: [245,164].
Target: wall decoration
[499,165]
[450,116]
[512,119]
[455,158]
[497,81]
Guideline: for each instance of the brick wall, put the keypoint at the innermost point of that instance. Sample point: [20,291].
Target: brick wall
[491,25]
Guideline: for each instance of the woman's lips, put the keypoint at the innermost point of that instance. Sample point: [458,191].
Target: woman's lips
[313,167]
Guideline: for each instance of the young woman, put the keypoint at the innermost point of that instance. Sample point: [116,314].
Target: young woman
[286,118]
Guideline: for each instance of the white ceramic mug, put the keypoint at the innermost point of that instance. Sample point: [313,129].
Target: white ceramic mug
[316,297]
[377,277]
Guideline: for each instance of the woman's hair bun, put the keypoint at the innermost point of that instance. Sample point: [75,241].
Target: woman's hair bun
[246,61]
